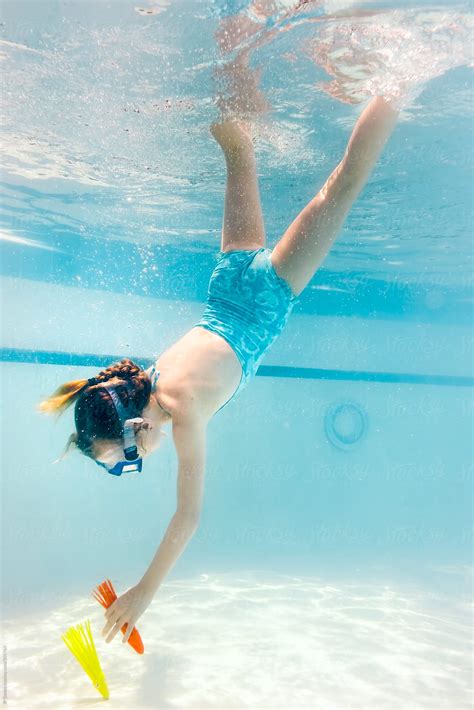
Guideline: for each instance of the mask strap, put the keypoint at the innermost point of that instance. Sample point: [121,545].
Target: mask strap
[129,441]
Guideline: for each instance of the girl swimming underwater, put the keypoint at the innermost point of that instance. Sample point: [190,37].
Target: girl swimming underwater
[120,412]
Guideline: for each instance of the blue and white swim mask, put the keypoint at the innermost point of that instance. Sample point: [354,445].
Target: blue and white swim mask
[128,415]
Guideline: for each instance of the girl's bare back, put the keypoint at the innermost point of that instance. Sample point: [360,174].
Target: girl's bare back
[200,368]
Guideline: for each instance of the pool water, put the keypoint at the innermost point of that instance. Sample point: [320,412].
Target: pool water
[332,567]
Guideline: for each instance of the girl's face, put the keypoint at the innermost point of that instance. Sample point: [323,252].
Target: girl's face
[110,451]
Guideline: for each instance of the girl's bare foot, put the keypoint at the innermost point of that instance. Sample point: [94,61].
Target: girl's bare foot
[232,135]
[237,92]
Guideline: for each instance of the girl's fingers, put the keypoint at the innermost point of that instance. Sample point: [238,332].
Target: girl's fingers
[111,620]
[127,634]
[118,625]
[111,614]
[106,628]
[112,609]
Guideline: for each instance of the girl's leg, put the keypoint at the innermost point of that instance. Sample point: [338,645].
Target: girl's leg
[243,226]
[309,237]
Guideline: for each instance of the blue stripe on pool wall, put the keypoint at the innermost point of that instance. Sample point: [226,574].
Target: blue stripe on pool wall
[51,357]
[313,373]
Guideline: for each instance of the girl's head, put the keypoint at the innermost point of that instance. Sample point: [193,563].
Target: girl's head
[99,430]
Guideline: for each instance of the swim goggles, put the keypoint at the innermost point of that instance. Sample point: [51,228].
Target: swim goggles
[127,415]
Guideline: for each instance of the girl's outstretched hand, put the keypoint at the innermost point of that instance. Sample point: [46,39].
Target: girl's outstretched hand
[126,609]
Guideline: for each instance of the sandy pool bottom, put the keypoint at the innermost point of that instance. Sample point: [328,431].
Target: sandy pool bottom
[254,640]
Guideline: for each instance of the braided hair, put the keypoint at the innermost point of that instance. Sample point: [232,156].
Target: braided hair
[94,413]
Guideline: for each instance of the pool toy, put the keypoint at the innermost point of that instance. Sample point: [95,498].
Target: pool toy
[80,642]
[106,595]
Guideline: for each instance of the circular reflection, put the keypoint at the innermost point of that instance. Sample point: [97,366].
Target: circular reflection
[345,424]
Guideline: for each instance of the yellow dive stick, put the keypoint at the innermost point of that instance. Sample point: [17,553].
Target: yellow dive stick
[81,644]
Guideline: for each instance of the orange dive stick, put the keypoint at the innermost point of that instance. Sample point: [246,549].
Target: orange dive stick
[106,595]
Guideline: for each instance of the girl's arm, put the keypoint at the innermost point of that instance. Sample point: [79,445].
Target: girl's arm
[189,434]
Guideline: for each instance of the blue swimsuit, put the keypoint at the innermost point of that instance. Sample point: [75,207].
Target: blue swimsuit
[248,305]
